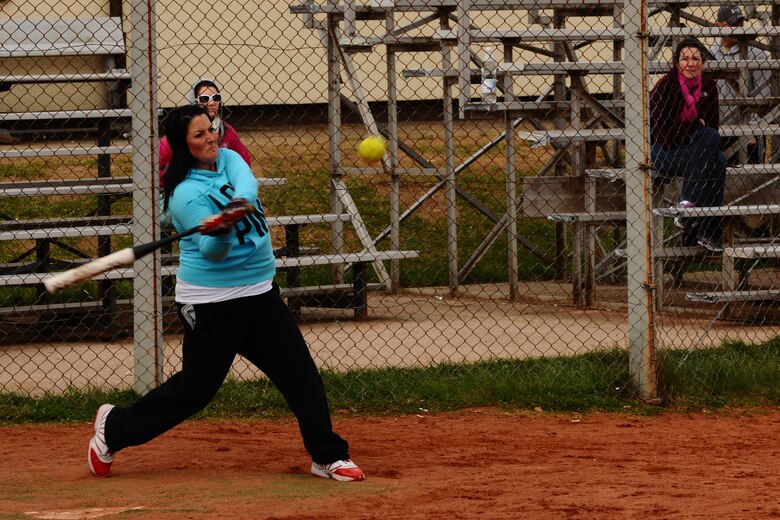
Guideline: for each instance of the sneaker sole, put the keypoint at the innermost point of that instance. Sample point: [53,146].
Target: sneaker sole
[320,473]
[335,476]
[710,249]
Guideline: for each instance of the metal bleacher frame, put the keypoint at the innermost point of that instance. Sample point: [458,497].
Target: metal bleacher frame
[574,139]
[100,40]
[103,36]
[571,139]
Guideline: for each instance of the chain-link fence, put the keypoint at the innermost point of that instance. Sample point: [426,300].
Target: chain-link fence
[554,183]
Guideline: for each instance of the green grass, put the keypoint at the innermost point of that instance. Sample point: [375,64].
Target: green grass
[736,372]
[30,171]
[424,231]
[735,375]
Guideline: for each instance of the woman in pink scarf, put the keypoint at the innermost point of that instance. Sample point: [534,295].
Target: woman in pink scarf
[684,122]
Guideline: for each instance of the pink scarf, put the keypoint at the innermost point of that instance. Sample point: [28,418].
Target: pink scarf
[691,90]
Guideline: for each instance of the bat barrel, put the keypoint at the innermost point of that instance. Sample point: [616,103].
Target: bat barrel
[126,256]
[65,279]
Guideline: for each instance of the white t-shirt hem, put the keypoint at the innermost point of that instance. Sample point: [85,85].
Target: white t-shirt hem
[187,293]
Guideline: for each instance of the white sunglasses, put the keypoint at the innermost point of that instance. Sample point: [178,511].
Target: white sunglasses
[205,99]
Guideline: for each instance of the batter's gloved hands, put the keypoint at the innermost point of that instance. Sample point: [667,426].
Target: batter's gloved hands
[223,222]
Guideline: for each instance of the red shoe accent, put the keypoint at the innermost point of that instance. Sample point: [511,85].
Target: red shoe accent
[98,467]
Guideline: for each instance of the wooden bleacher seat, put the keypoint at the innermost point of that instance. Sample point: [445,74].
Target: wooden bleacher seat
[753,252]
[58,230]
[79,77]
[373,10]
[108,113]
[63,151]
[579,135]
[726,297]
[585,67]
[533,34]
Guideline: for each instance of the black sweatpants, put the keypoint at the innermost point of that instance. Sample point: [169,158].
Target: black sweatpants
[261,329]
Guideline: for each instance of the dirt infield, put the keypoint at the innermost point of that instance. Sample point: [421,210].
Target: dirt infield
[481,463]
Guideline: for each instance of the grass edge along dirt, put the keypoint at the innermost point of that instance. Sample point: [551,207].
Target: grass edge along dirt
[733,375]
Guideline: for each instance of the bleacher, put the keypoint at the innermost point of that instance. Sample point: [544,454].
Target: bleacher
[36,245]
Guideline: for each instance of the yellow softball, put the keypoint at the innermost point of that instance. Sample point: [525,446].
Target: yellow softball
[372,149]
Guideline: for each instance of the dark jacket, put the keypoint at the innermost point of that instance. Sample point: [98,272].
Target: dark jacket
[666,103]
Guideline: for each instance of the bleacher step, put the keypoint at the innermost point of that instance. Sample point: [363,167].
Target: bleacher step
[734,296]
[753,252]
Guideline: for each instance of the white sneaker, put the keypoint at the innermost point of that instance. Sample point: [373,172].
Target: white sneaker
[682,222]
[709,244]
[99,458]
[341,470]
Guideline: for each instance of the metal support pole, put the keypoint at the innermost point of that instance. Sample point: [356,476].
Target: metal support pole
[511,184]
[449,161]
[641,291]
[463,58]
[148,351]
[334,138]
[395,184]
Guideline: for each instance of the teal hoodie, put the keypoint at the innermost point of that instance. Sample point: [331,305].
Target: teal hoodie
[243,256]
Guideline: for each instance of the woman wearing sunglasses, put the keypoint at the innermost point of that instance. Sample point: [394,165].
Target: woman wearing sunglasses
[206,93]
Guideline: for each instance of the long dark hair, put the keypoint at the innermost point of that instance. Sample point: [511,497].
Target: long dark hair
[181,159]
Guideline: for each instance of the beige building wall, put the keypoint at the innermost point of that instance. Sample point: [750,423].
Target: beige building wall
[264,55]
[260,53]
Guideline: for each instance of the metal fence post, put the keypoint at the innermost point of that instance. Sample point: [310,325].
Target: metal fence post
[641,294]
[147,299]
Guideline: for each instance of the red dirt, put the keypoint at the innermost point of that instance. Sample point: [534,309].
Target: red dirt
[481,463]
